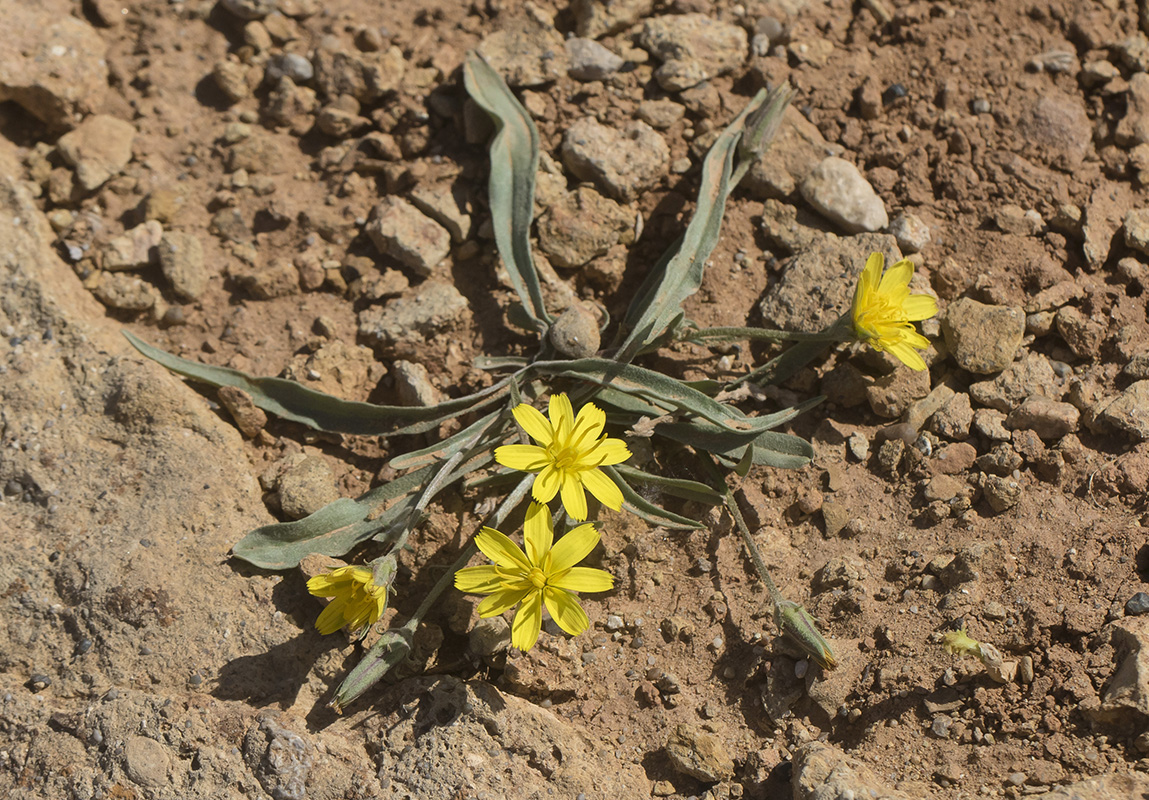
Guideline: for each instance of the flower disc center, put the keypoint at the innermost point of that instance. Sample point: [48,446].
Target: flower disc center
[537,577]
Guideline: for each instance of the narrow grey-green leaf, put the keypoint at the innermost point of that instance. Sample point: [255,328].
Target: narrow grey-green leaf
[441,451]
[290,400]
[332,530]
[644,509]
[678,487]
[771,449]
[679,273]
[514,155]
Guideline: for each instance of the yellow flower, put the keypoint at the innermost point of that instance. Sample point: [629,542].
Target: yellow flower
[543,575]
[884,310]
[360,595]
[568,455]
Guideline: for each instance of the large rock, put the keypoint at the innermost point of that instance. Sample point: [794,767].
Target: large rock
[982,339]
[823,772]
[693,48]
[432,309]
[1129,413]
[581,225]
[52,63]
[526,51]
[621,163]
[408,235]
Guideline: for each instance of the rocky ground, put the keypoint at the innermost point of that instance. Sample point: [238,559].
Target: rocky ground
[297,188]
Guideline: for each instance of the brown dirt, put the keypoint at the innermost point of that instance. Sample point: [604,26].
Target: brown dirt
[1051,571]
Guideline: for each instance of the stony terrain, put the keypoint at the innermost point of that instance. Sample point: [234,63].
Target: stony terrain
[297,188]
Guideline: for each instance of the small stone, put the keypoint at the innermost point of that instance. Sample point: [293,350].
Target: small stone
[125,292]
[99,147]
[1137,605]
[236,79]
[306,487]
[146,761]
[447,204]
[869,99]
[912,234]
[406,234]
[838,191]
[943,487]
[163,205]
[1033,374]
[489,637]
[432,310]
[413,384]
[367,77]
[1129,413]
[699,754]
[135,249]
[622,163]
[953,420]
[582,225]
[249,9]
[259,154]
[277,278]
[249,418]
[660,114]
[993,610]
[892,394]
[858,445]
[835,517]
[1001,493]
[953,459]
[575,334]
[526,51]
[1025,670]
[941,727]
[292,65]
[1047,418]
[595,18]
[1083,334]
[590,61]
[982,339]
[1004,672]
[693,48]
[1016,220]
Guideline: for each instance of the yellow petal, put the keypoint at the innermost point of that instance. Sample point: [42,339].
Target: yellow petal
[525,457]
[584,579]
[528,622]
[500,549]
[496,604]
[588,425]
[538,533]
[562,416]
[918,307]
[331,618]
[603,488]
[573,547]
[478,580]
[869,279]
[565,611]
[546,484]
[532,421]
[574,498]
[908,356]
[608,452]
[897,277]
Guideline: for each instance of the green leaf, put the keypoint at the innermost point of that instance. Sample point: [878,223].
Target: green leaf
[678,274]
[293,401]
[441,451]
[332,530]
[511,189]
[678,487]
[646,510]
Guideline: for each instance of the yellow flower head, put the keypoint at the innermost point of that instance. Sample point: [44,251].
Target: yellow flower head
[884,311]
[360,595]
[544,575]
[568,455]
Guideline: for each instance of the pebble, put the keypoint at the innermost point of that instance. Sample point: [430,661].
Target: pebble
[412,318]
[249,9]
[489,637]
[1057,123]
[413,384]
[182,263]
[581,225]
[1033,374]
[447,204]
[613,622]
[837,190]
[941,727]
[1025,670]
[699,754]
[660,114]
[306,487]
[135,249]
[575,334]
[595,19]
[693,48]
[622,163]
[1137,605]
[912,234]
[125,292]
[278,278]
[1048,418]
[590,61]
[1129,413]
[858,445]
[249,418]
[953,420]
[1001,493]
[146,761]
[982,339]
[403,232]
[1082,333]
[98,148]
[526,51]
[291,65]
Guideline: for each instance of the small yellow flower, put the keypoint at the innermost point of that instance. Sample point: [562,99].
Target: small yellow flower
[884,311]
[568,455]
[544,575]
[360,596]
